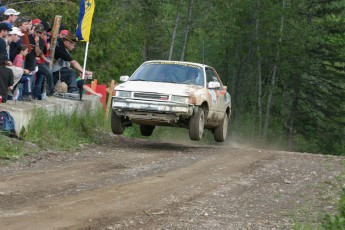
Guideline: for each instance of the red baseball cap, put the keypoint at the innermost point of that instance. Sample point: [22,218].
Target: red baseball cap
[36,21]
[64,32]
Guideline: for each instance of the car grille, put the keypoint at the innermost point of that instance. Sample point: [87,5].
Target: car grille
[151,96]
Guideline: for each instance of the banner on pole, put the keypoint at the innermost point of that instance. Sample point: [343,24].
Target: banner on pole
[87,7]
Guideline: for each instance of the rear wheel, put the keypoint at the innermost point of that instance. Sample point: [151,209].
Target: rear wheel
[146,130]
[117,126]
[221,131]
[196,124]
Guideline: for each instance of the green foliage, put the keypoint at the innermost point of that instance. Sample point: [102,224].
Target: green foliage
[132,131]
[338,220]
[47,9]
[65,132]
[12,148]
[334,190]
[329,222]
[56,132]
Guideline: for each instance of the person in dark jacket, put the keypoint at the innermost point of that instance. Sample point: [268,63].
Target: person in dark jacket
[64,61]
[6,78]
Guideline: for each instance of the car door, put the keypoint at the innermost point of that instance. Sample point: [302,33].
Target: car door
[217,94]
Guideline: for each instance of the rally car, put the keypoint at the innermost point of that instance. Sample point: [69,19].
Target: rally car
[172,93]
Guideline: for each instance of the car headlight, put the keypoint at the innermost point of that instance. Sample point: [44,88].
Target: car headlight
[180,99]
[121,93]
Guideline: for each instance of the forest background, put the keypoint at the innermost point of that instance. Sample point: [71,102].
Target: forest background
[283,61]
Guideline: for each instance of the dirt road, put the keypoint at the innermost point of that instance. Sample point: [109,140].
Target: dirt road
[139,184]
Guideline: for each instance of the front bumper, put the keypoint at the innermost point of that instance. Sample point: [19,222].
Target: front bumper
[161,111]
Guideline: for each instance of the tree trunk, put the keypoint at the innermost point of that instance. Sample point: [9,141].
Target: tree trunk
[274,75]
[292,117]
[146,51]
[233,91]
[183,54]
[259,64]
[173,36]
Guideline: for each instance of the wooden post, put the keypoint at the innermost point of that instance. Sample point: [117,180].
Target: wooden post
[94,85]
[54,37]
[110,91]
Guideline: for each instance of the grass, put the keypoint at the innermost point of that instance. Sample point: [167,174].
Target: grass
[56,132]
[327,221]
[336,221]
[13,148]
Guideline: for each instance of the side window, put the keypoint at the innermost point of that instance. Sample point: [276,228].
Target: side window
[211,75]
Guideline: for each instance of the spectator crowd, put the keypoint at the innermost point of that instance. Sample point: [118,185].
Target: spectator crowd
[27,72]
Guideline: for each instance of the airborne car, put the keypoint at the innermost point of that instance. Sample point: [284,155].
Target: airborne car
[172,93]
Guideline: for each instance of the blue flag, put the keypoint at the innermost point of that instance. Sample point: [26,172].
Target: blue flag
[87,7]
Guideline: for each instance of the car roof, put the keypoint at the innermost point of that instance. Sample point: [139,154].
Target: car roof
[177,62]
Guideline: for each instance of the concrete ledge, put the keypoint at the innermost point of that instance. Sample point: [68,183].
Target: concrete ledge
[22,112]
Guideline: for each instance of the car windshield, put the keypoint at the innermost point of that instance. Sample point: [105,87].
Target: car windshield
[168,72]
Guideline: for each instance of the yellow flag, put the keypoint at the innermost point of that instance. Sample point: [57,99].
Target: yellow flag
[87,7]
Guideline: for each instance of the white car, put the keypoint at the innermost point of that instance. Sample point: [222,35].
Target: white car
[172,93]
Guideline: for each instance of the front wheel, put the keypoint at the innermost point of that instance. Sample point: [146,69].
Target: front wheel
[117,126]
[221,131]
[196,124]
[146,130]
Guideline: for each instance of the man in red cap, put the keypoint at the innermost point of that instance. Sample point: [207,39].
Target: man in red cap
[38,49]
[36,21]
[63,33]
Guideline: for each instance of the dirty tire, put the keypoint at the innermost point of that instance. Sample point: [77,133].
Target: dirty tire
[117,126]
[196,124]
[146,130]
[221,131]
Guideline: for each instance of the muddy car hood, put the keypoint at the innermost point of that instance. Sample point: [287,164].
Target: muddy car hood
[158,87]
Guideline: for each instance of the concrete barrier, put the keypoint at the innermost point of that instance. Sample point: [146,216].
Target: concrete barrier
[22,111]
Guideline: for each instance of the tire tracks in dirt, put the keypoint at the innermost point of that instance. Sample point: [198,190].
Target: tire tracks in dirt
[70,195]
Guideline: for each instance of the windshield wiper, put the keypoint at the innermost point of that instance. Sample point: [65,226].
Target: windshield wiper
[169,82]
[139,79]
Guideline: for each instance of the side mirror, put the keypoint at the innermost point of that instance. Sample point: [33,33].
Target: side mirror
[124,78]
[213,85]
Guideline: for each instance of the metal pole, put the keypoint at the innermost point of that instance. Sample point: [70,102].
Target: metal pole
[85,58]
